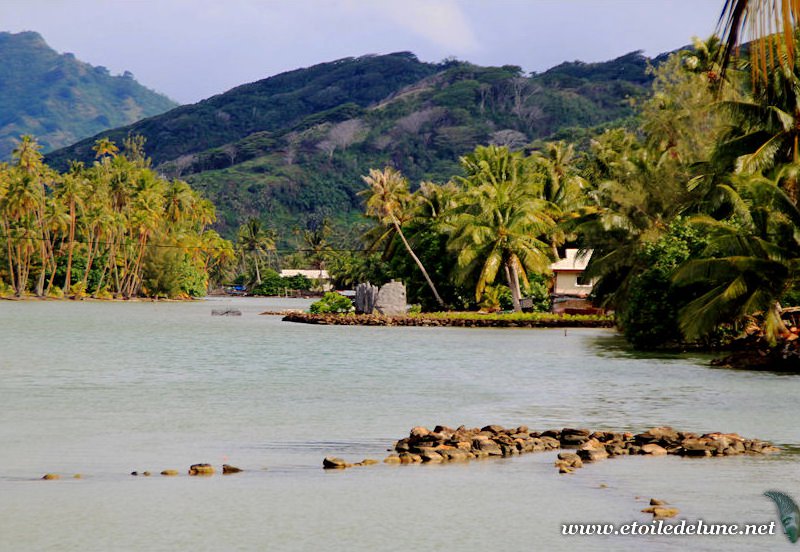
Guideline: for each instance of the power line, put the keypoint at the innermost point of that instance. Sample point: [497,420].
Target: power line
[187,247]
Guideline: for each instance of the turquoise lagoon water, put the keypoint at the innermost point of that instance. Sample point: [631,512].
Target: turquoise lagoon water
[103,389]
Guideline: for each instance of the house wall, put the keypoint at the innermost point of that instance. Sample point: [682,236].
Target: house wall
[567,283]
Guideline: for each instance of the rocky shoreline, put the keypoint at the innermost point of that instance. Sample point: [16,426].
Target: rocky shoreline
[476,321]
[444,444]
[757,355]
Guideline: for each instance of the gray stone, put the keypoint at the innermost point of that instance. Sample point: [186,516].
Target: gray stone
[366,297]
[391,300]
[226,312]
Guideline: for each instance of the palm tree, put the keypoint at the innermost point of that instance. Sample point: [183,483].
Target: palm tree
[71,191]
[766,23]
[33,173]
[748,265]
[388,200]
[638,193]
[501,221]
[764,126]
[104,147]
[254,241]
[563,185]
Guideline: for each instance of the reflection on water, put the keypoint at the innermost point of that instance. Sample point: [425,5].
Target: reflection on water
[102,389]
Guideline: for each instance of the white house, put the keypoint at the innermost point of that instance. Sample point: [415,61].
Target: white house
[320,276]
[571,288]
[568,276]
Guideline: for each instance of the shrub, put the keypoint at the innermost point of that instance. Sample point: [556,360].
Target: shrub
[332,302]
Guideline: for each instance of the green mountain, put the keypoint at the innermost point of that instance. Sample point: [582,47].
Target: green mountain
[59,99]
[293,147]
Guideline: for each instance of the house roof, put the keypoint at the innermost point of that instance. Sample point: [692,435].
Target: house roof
[311,274]
[572,261]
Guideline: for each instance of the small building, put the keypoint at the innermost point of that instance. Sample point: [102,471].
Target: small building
[571,288]
[319,277]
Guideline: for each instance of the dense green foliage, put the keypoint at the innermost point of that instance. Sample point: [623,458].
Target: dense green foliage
[61,100]
[273,283]
[649,316]
[332,302]
[113,229]
[293,147]
[693,219]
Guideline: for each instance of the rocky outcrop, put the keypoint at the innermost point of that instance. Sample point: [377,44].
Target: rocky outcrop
[445,444]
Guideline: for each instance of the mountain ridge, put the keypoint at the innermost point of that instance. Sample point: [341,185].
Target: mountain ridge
[291,148]
[60,99]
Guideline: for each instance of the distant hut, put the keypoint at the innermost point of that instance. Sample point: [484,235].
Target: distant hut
[571,288]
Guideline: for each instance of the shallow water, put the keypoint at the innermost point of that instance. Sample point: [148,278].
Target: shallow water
[102,389]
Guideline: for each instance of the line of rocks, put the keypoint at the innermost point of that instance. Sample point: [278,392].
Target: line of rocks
[194,469]
[477,322]
[444,444]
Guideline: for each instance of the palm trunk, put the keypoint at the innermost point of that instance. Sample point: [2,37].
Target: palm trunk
[513,283]
[10,257]
[43,257]
[68,279]
[419,263]
[258,274]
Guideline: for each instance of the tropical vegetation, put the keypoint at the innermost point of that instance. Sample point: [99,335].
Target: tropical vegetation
[692,217]
[112,229]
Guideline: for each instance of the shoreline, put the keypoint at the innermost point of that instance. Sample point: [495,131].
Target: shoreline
[476,321]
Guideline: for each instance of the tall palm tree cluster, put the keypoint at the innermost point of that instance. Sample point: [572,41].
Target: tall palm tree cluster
[499,222]
[113,229]
[693,215]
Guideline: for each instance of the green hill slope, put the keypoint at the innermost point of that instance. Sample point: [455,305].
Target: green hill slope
[294,146]
[59,99]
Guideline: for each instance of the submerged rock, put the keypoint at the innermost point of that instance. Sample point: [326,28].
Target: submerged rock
[170,473]
[661,512]
[51,476]
[226,312]
[201,469]
[334,463]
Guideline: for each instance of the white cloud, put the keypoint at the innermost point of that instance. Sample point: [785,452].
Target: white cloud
[442,22]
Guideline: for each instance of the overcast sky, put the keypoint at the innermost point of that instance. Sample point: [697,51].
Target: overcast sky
[193,49]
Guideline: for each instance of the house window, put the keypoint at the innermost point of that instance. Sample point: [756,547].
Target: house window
[583,280]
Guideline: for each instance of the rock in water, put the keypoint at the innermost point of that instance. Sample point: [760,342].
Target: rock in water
[391,299]
[170,473]
[201,469]
[228,469]
[653,449]
[51,476]
[333,463]
[226,312]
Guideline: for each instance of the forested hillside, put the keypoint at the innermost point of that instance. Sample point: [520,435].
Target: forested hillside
[294,146]
[60,99]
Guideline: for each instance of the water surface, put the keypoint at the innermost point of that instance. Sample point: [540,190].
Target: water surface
[102,389]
